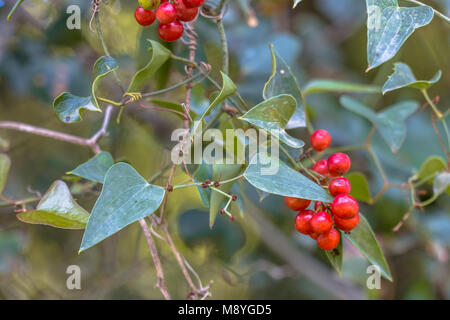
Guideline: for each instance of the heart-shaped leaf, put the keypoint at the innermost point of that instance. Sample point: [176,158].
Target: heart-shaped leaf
[403,77]
[363,238]
[160,55]
[228,89]
[69,107]
[94,169]
[431,165]
[336,257]
[325,85]
[389,26]
[283,81]
[5,165]
[221,172]
[360,188]
[272,115]
[126,197]
[389,122]
[57,209]
[262,174]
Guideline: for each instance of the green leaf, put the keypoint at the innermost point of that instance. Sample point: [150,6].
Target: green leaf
[403,77]
[296,2]
[5,165]
[283,81]
[284,182]
[221,172]
[389,26]
[325,85]
[272,115]
[172,106]
[202,173]
[95,169]
[126,197]
[441,183]
[228,89]
[389,122]
[69,107]
[432,165]
[360,188]
[160,55]
[363,238]
[336,258]
[57,209]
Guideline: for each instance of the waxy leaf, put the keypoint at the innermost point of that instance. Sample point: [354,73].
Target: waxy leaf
[325,85]
[69,107]
[5,165]
[57,209]
[389,122]
[160,55]
[441,183]
[262,174]
[283,81]
[228,89]
[360,188]
[221,172]
[94,169]
[363,238]
[126,197]
[403,77]
[336,257]
[432,165]
[389,26]
[272,115]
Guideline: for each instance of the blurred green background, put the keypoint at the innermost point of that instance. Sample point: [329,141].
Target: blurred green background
[261,256]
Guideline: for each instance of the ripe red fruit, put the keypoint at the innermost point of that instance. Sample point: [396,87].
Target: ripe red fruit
[184,13]
[314,235]
[144,17]
[296,204]
[321,167]
[344,206]
[338,164]
[321,222]
[166,13]
[170,31]
[328,240]
[339,186]
[193,3]
[302,221]
[320,140]
[346,224]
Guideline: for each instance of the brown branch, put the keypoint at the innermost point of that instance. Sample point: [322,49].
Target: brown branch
[161,284]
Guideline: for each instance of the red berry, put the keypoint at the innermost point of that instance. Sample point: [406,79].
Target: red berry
[170,31]
[344,206]
[166,13]
[193,3]
[320,140]
[302,221]
[338,164]
[339,186]
[321,222]
[184,13]
[314,235]
[296,204]
[346,224]
[144,17]
[328,240]
[321,167]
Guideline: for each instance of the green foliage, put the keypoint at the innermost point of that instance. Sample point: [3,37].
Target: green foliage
[325,85]
[5,165]
[69,107]
[58,209]
[363,238]
[336,257]
[286,182]
[389,26]
[126,197]
[360,187]
[272,115]
[159,56]
[389,122]
[95,169]
[403,77]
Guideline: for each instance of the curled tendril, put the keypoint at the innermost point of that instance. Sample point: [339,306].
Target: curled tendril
[133,97]
[95,9]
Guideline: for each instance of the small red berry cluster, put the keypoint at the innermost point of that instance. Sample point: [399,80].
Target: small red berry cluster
[169,13]
[343,213]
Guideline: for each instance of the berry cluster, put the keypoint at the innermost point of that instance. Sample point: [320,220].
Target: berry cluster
[322,223]
[170,15]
